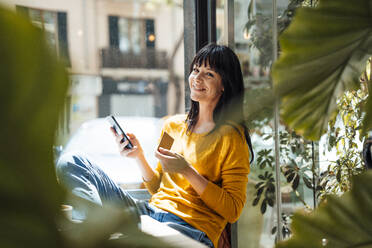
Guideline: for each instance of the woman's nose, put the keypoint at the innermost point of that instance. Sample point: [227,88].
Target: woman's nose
[198,77]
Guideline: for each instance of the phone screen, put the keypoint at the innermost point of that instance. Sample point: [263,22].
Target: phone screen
[115,124]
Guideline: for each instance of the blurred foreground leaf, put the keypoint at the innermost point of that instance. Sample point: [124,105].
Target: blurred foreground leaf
[258,105]
[324,51]
[33,88]
[100,225]
[344,221]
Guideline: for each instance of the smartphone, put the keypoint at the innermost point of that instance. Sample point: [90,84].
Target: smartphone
[115,124]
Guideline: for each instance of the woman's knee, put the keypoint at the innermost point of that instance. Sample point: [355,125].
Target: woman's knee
[70,162]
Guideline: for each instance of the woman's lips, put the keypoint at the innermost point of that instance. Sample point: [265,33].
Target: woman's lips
[197,88]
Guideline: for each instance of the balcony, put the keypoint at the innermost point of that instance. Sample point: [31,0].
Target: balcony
[148,59]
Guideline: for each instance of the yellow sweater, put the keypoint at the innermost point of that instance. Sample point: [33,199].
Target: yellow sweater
[221,157]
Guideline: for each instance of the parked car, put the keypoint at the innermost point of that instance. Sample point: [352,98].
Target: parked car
[95,139]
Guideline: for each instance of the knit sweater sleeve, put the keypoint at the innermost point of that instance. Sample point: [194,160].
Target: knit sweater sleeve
[154,184]
[228,199]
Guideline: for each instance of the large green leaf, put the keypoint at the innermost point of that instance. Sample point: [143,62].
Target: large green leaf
[324,51]
[33,88]
[258,105]
[344,221]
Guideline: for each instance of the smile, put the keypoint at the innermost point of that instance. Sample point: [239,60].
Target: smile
[197,88]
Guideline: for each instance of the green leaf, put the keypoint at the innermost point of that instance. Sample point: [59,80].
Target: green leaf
[34,86]
[307,182]
[290,177]
[334,220]
[295,182]
[263,206]
[287,172]
[270,201]
[271,188]
[258,185]
[338,175]
[259,191]
[324,51]
[259,105]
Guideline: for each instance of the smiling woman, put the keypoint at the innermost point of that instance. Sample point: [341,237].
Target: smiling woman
[199,185]
[205,84]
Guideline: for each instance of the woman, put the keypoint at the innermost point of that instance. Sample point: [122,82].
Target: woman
[200,184]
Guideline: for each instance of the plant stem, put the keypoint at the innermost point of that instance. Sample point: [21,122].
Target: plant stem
[302,200]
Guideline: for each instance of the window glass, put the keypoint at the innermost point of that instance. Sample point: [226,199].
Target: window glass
[125,58]
[137,34]
[220,15]
[36,17]
[124,41]
[258,217]
[132,35]
[253,44]
[54,26]
[50,28]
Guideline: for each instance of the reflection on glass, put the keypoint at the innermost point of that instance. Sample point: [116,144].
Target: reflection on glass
[253,43]
[124,57]
[220,15]
[258,218]
[54,26]
[124,43]
[139,36]
[49,24]
[36,17]
[131,35]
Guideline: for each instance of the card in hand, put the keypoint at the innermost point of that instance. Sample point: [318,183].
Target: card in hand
[166,141]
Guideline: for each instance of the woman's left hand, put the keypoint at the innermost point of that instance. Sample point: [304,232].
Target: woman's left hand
[172,162]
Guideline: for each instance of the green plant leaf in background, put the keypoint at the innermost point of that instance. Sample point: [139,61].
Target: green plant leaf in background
[344,221]
[33,89]
[324,51]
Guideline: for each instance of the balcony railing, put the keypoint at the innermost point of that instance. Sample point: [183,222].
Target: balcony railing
[149,59]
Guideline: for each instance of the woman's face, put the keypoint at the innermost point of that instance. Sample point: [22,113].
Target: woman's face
[205,84]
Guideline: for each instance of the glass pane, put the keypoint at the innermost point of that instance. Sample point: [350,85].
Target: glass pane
[36,17]
[124,43]
[127,60]
[253,44]
[50,28]
[220,15]
[47,21]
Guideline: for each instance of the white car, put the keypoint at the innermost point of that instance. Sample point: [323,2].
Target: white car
[95,139]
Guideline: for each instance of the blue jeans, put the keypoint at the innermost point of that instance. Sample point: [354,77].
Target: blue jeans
[85,179]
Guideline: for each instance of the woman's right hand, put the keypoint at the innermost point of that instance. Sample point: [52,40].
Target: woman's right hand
[134,152]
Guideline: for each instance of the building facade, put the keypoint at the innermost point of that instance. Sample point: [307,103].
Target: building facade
[117,52]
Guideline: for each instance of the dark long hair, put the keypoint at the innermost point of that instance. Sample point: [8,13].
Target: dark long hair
[229,109]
